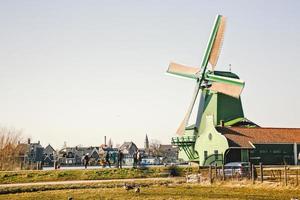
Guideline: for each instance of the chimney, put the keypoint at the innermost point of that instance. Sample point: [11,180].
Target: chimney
[28,140]
[38,142]
[104,140]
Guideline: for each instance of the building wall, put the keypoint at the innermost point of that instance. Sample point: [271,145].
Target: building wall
[213,105]
[273,154]
[210,141]
[210,109]
[229,108]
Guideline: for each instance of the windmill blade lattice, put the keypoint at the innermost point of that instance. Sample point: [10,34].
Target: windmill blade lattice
[217,45]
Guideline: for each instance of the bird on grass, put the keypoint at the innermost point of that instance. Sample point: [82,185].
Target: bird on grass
[137,190]
[128,187]
[132,187]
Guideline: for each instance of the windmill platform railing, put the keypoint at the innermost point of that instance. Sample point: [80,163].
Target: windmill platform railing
[186,143]
[214,159]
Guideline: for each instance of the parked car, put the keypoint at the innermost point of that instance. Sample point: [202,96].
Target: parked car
[241,169]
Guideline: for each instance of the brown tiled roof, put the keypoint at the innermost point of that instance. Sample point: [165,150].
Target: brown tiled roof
[243,137]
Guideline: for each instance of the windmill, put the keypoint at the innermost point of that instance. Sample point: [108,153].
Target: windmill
[220,91]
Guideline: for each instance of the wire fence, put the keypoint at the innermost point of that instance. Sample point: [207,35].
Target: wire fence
[284,175]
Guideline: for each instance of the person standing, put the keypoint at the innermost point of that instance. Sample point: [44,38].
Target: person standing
[139,158]
[120,158]
[86,160]
[107,159]
[134,159]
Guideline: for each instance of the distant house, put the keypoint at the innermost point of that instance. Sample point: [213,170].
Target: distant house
[29,153]
[36,152]
[94,156]
[74,155]
[168,153]
[128,149]
[49,155]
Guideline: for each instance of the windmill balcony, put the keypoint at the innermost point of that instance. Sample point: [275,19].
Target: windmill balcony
[184,140]
[186,144]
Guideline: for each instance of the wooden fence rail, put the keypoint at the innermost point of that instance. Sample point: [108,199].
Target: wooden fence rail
[285,175]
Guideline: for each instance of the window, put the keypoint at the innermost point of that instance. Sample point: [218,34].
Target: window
[209,136]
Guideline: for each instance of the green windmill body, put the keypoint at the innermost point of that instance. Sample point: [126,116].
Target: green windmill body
[219,104]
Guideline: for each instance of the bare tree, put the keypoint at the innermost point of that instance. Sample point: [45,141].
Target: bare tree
[155,148]
[9,148]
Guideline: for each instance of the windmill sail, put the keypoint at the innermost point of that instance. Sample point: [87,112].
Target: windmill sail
[182,70]
[181,128]
[228,89]
[226,85]
[216,48]
[214,43]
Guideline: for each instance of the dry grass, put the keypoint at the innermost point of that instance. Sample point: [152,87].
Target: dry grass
[150,189]
[164,191]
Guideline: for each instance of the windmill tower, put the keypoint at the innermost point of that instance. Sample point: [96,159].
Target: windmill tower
[219,98]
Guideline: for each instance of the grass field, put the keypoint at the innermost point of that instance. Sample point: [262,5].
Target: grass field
[89,174]
[163,191]
[174,188]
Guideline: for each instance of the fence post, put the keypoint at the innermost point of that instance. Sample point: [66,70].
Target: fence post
[54,164]
[297,177]
[261,172]
[223,173]
[249,170]
[216,171]
[253,173]
[280,176]
[285,175]
[210,174]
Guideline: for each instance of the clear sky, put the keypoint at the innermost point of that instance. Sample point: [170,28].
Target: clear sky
[78,70]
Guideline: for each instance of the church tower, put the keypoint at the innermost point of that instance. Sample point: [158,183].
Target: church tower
[146,144]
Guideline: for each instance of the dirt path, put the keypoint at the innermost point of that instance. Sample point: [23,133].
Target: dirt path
[83,182]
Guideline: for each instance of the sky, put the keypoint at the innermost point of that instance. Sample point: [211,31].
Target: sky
[76,71]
